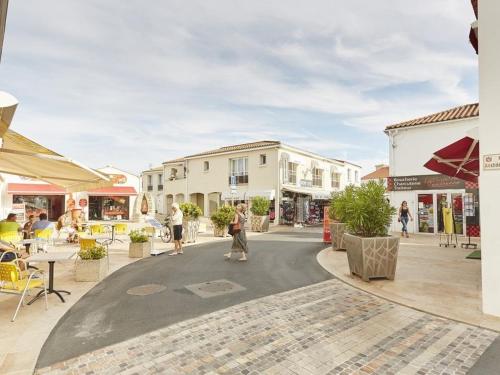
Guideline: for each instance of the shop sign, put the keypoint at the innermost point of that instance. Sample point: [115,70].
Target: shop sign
[118,179]
[306,183]
[82,203]
[424,182]
[20,210]
[491,162]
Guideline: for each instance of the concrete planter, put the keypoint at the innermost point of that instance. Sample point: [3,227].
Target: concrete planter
[90,270]
[190,230]
[259,223]
[139,249]
[372,257]
[220,232]
[337,235]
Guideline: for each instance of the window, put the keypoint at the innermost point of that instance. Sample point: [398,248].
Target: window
[206,166]
[292,173]
[160,181]
[349,178]
[150,182]
[263,159]
[317,177]
[335,180]
[239,169]
[173,174]
[356,176]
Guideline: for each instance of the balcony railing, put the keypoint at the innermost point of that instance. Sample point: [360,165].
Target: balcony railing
[150,188]
[160,187]
[242,179]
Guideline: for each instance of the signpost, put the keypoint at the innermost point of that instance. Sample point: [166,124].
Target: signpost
[491,162]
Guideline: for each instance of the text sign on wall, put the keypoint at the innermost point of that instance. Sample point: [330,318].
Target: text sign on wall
[491,162]
[424,182]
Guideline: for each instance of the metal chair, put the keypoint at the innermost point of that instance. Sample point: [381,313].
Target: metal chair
[44,237]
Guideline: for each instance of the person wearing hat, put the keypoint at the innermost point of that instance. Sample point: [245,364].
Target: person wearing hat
[177,217]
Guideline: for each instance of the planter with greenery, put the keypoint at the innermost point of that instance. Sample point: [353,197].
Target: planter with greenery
[371,252]
[139,246]
[259,222]
[221,220]
[191,223]
[337,224]
[91,264]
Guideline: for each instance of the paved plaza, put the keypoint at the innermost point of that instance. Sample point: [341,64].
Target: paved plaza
[326,328]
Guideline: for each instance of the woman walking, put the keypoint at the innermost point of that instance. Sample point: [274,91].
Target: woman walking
[404,215]
[239,235]
[177,218]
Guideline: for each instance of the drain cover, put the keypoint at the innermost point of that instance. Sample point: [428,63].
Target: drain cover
[214,288]
[146,290]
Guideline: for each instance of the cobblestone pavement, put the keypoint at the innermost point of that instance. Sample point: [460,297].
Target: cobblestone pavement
[326,328]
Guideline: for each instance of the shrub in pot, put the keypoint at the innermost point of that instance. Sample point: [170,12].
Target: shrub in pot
[139,246]
[371,252]
[337,222]
[91,264]
[221,220]
[259,222]
[191,224]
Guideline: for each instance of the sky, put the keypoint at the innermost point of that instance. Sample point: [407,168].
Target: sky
[135,83]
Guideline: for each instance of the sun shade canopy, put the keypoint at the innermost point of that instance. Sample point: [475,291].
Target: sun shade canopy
[23,157]
[8,105]
[459,159]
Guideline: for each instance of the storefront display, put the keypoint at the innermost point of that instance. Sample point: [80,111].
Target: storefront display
[109,208]
[425,213]
[52,205]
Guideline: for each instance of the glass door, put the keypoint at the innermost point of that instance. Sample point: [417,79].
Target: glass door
[426,213]
[442,202]
[458,212]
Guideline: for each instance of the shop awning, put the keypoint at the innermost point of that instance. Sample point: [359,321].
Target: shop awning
[237,196]
[34,189]
[269,194]
[459,159]
[324,195]
[23,157]
[113,191]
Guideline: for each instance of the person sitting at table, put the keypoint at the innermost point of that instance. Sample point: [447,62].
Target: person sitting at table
[10,224]
[42,223]
[28,231]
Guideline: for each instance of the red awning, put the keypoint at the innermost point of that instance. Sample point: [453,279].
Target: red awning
[114,191]
[459,159]
[34,189]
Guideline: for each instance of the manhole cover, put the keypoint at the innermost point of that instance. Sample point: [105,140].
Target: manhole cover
[146,290]
[214,288]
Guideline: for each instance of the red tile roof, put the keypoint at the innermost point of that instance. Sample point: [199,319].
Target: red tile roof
[458,113]
[382,172]
[114,191]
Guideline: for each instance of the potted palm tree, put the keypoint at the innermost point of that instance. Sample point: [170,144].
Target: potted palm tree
[337,222]
[191,224]
[371,251]
[139,246]
[221,220]
[91,264]
[259,222]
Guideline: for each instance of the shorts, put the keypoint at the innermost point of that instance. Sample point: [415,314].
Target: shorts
[177,232]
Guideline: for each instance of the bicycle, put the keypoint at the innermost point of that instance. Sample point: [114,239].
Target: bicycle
[166,231]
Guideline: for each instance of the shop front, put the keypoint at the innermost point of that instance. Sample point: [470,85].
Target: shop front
[303,207]
[427,195]
[33,199]
[114,203]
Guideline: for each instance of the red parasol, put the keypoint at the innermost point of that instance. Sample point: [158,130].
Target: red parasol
[459,159]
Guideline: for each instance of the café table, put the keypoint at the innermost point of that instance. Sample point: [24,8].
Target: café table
[113,235]
[51,258]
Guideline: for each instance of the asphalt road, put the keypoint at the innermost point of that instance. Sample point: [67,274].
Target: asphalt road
[107,314]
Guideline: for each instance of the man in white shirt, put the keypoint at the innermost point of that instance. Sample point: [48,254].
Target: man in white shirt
[177,217]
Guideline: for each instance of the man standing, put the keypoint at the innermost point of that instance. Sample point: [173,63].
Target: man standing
[177,217]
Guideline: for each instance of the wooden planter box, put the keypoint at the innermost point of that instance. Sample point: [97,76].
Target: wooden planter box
[337,231]
[220,232]
[91,270]
[372,257]
[139,249]
[259,223]
[190,230]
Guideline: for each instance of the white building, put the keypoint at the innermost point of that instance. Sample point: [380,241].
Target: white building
[28,196]
[411,144]
[152,181]
[298,183]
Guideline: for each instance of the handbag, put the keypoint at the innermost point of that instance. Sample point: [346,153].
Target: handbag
[234,229]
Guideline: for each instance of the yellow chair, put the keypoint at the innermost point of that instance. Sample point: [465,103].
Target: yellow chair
[44,237]
[121,229]
[97,229]
[150,231]
[12,237]
[15,281]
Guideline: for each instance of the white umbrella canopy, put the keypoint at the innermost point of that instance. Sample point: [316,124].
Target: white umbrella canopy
[23,157]
[8,105]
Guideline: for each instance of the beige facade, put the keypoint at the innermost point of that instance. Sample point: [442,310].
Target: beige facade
[268,168]
[153,182]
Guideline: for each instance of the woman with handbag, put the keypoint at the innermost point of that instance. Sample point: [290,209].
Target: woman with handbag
[239,235]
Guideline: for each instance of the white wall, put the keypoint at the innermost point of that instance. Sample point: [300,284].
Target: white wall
[489,89]
[411,148]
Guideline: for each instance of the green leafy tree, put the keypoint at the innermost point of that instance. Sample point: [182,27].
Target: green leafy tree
[260,206]
[94,253]
[223,216]
[190,210]
[364,209]
[138,236]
